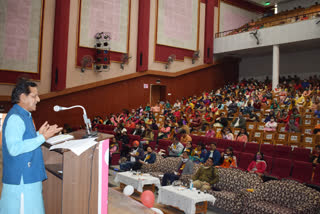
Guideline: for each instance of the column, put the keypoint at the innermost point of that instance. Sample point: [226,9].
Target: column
[275,67]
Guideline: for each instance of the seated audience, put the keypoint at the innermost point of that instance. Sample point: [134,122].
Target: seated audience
[119,130]
[125,144]
[147,137]
[227,134]
[228,160]
[175,149]
[196,121]
[258,165]
[187,148]
[283,116]
[148,158]
[185,137]
[221,121]
[136,154]
[155,108]
[239,122]
[206,176]
[164,131]
[242,135]
[199,153]
[214,154]
[292,125]
[271,125]
[184,167]
[138,130]
[210,132]
[113,147]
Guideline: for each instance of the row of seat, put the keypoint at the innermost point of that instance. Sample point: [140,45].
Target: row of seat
[280,168]
[281,151]
[282,162]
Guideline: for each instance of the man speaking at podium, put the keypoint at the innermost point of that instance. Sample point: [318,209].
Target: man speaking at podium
[23,166]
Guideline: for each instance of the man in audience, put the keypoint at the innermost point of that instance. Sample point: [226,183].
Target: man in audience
[214,154]
[239,122]
[148,158]
[135,155]
[206,176]
[137,131]
[184,167]
[175,148]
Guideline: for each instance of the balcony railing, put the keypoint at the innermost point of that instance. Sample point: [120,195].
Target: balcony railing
[252,27]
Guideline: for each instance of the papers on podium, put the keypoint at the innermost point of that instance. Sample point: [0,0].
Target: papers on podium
[59,138]
[76,146]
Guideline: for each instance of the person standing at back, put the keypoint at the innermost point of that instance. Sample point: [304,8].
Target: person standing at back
[23,165]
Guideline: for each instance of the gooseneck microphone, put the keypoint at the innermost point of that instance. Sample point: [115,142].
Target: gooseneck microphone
[87,121]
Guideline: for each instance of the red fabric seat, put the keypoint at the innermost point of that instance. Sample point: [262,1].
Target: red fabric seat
[281,168]
[301,154]
[251,148]
[268,160]
[130,130]
[164,144]
[301,171]
[197,139]
[133,138]
[282,151]
[115,158]
[222,143]
[267,149]
[237,145]
[244,160]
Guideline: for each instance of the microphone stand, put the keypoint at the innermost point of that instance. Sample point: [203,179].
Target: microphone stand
[89,132]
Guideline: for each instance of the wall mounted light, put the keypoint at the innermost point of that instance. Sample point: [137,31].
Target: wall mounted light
[195,56]
[86,61]
[170,60]
[124,60]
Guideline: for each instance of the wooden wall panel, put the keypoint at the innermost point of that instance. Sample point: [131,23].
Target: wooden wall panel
[130,94]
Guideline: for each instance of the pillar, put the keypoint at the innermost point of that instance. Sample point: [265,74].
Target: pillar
[275,67]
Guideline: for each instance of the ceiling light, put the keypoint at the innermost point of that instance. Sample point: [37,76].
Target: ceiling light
[267,3]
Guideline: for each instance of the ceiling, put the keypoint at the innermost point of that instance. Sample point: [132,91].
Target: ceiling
[262,2]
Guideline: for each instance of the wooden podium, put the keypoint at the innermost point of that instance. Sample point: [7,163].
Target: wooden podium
[68,192]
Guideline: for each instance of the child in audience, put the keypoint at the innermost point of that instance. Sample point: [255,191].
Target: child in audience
[228,160]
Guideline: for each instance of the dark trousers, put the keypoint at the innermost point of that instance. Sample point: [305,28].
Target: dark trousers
[124,151]
[169,177]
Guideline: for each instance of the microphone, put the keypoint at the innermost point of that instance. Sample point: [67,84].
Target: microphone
[59,108]
[87,121]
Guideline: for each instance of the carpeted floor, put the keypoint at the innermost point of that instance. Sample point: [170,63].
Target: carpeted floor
[112,183]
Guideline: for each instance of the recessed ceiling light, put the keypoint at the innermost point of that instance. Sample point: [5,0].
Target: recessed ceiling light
[267,3]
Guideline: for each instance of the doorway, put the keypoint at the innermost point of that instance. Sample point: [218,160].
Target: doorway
[157,93]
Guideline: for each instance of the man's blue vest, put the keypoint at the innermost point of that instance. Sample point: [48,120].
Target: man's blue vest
[30,165]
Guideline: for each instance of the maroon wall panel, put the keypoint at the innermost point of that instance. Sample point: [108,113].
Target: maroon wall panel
[208,37]
[60,45]
[143,35]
